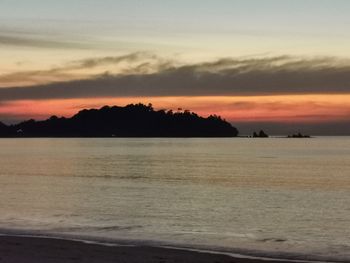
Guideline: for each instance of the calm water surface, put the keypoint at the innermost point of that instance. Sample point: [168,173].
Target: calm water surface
[274,196]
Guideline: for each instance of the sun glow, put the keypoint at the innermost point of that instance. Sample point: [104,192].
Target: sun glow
[287,108]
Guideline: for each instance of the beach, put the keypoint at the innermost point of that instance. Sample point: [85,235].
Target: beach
[14,249]
[272,198]
[174,131]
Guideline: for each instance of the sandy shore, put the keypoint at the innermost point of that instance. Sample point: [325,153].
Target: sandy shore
[47,250]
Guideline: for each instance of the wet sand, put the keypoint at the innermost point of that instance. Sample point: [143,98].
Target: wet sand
[48,250]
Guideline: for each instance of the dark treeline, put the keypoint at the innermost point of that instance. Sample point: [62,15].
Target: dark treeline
[134,120]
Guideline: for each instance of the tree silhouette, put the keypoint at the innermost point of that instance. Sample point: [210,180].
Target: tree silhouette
[133,120]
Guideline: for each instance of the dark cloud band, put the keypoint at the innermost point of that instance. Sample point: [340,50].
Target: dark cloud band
[225,77]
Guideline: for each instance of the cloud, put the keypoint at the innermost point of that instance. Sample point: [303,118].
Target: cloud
[37,41]
[95,62]
[149,75]
[134,63]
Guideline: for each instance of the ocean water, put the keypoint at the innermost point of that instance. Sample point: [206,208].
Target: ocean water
[277,197]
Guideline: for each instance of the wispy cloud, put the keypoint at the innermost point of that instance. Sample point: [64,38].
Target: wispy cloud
[134,63]
[145,74]
[36,41]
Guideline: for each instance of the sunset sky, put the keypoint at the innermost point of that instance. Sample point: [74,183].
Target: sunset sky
[283,66]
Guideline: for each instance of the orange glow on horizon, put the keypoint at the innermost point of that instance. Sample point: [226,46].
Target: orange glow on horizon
[279,108]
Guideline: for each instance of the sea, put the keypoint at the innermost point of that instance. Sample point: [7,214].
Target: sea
[261,197]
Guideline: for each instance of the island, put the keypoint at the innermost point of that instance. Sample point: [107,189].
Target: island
[298,135]
[133,120]
[261,134]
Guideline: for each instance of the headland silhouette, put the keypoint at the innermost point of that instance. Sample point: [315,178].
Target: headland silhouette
[133,120]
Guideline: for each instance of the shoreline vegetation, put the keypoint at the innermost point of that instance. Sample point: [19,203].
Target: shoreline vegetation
[30,249]
[133,120]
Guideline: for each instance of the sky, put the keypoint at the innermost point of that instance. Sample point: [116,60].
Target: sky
[280,65]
